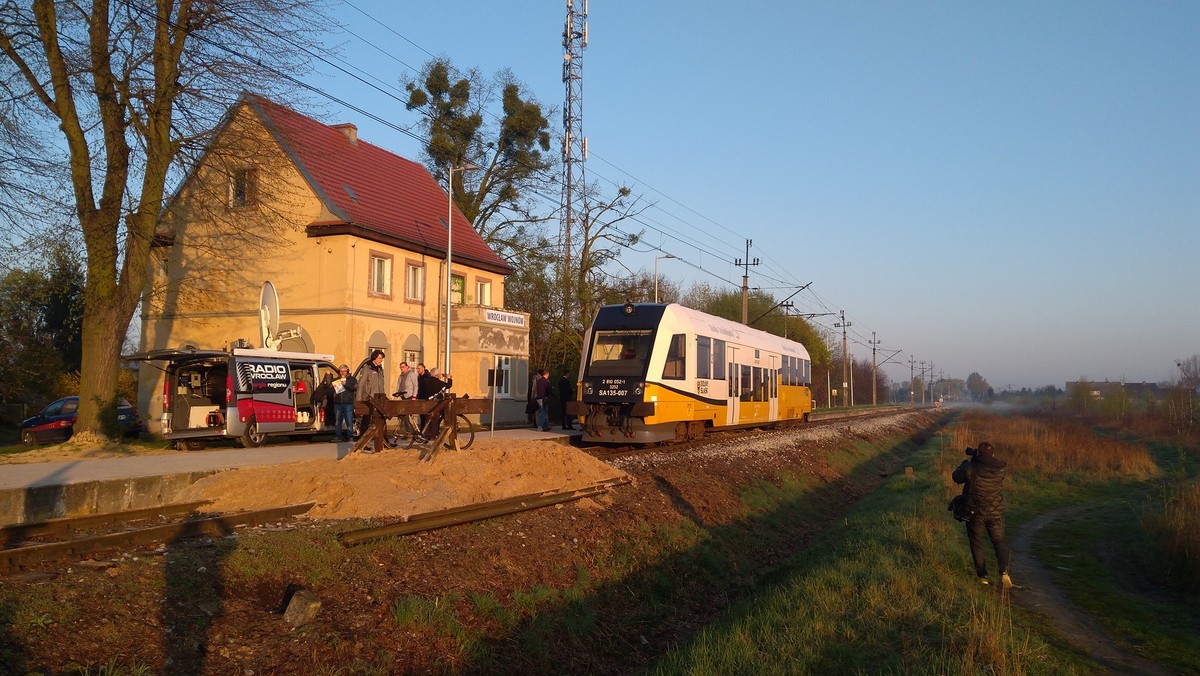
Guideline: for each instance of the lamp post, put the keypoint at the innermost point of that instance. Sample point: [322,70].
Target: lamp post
[656,274]
[450,169]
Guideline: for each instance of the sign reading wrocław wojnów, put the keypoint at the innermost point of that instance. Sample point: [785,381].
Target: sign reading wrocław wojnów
[501,317]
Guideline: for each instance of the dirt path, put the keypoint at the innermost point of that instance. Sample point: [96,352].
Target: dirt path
[1038,592]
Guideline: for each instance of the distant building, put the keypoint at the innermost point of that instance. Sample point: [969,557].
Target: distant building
[354,239]
[1100,389]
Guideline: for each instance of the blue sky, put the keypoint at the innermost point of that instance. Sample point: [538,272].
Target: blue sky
[1008,188]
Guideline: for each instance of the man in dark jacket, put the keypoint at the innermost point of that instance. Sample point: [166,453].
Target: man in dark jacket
[541,393]
[566,393]
[983,473]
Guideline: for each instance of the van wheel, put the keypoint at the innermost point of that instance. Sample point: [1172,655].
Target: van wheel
[252,438]
[28,438]
[191,445]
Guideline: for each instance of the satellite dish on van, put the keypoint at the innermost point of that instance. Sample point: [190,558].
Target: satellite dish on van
[301,341]
[268,319]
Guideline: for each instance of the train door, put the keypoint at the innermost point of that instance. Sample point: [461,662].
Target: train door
[733,393]
[773,388]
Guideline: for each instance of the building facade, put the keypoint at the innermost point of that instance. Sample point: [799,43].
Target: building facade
[354,239]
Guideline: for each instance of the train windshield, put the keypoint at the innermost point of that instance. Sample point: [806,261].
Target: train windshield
[620,353]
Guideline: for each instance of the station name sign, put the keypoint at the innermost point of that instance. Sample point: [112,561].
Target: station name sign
[500,317]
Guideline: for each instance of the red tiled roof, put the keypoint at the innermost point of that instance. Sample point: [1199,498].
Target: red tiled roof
[376,194]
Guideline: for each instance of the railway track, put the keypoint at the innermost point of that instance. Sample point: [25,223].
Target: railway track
[816,420]
[469,513]
[57,540]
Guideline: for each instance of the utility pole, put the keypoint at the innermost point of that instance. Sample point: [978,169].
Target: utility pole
[786,305]
[874,377]
[922,363]
[930,381]
[912,381]
[574,146]
[746,282]
[845,380]
[852,399]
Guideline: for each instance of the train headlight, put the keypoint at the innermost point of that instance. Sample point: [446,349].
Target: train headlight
[630,309]
[638,390]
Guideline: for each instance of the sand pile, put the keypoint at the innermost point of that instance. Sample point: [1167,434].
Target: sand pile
[396,483]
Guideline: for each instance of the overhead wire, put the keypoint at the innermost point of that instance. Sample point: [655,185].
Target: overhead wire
[386,89]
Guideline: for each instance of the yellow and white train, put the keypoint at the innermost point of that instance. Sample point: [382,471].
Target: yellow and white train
[652,373]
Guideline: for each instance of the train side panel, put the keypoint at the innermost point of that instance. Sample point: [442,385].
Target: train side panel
[661,372]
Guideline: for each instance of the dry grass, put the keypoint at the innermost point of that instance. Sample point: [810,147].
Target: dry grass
[1177,527]
[1054,447]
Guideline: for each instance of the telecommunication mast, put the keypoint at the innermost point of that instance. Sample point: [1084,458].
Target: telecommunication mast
[574,145]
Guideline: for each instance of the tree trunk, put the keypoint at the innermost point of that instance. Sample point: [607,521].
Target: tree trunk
[103,336]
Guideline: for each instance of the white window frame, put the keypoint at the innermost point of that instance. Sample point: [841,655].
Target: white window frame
[414,282]
[380,270]
[483,292]
[504,362]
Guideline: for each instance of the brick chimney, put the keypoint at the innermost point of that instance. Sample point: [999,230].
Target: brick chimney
[349,130]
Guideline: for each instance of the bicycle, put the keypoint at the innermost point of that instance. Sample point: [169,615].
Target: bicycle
[427,433]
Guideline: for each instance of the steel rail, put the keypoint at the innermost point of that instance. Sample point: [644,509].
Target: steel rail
[466,514]
[214,526]
[23,531]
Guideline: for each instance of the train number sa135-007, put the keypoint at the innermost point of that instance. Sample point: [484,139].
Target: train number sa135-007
[613,387]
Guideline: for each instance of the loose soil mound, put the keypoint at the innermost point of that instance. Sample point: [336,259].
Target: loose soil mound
[398,483]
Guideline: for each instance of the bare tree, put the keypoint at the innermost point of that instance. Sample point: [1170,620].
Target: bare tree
[130,91]
[1189,372]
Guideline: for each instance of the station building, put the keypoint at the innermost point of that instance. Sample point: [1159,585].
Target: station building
[353,237]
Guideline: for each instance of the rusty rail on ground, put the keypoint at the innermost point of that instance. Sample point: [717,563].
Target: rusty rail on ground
[16,558]
[18,532]
[487,510]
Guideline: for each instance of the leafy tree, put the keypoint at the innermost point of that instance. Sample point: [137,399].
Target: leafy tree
[1079,395]
[977,386]
[39,328]
[126,92]
[728,304]
[503,195]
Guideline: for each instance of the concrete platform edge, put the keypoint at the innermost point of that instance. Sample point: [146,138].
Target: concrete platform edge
[39,503]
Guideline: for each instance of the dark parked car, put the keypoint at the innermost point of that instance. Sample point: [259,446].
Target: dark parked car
[56,422]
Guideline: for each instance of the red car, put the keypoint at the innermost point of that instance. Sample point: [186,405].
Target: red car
[56,422]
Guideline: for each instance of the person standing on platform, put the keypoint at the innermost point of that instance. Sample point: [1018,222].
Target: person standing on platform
[370,382]
[406,390]
[542,391]
[344,389]
[566,393]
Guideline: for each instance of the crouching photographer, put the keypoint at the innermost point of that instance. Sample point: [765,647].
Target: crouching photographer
[983,475]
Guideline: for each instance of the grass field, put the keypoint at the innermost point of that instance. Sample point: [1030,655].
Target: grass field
[892,590]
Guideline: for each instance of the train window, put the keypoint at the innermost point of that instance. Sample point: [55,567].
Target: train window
[747,389]
[676,366]
[758,394]
[807,377]
[703,357]
[719,361]
[620,353]
[786,370]
[732,378]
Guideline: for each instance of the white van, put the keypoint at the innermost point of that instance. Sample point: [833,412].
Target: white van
[244,394]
